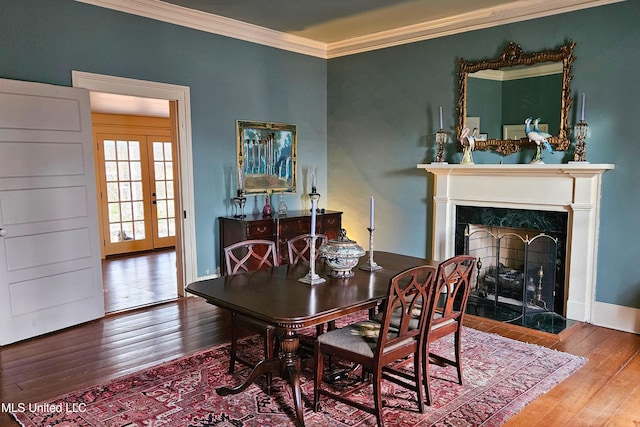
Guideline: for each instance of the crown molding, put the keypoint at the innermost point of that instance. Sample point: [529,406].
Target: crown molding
[178,15]
[516,11]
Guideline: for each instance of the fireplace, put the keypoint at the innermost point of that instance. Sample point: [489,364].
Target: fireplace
[572,188]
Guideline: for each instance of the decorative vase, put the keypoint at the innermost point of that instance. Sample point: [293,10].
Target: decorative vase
[282,207]
[266,209]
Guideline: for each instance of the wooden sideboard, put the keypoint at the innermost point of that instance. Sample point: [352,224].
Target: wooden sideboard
[278,228]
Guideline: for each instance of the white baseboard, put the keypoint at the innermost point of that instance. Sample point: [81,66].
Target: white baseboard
[616,317]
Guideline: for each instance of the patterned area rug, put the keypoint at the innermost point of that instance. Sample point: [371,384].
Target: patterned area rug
[501,377]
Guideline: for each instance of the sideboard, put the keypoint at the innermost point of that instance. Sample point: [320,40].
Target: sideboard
[278,228]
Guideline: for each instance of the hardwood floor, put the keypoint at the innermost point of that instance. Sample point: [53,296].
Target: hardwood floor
[605,392]
[139,280]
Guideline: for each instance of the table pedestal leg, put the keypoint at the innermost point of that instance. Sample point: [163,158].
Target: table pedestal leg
[288,366]
[291,364]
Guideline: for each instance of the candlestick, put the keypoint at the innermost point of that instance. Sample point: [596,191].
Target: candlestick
[239,202]
[371,213]
[311,277]
[582,110]
[441,118]
[370,265]
[441,139]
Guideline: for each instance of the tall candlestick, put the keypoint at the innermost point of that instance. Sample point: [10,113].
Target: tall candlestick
[582,110]
[441,118]
[314,204]
[371,213]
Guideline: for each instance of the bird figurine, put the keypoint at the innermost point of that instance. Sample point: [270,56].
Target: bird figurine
[537,137]
[468,144]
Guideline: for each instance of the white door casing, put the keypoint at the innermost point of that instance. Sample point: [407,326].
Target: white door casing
[50,270]
[180,94]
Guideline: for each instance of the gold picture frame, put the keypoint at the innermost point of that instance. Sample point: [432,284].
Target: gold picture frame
[267,156]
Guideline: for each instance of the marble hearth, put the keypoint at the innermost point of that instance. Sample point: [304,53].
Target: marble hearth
[573,188]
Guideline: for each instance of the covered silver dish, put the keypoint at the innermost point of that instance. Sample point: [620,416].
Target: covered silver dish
[341,255]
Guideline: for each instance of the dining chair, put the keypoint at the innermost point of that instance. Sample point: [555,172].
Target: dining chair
[452,286]
[244,256]
[299,247]
[376,347]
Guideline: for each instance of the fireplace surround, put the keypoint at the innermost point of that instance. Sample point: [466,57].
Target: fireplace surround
[573,188]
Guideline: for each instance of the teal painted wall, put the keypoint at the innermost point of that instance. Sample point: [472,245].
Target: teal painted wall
[368,119]
[42,41]
[383,113]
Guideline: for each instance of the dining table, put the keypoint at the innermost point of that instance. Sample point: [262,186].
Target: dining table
[276,296]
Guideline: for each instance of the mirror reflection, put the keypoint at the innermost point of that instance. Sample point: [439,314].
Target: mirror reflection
[497,95]
[266,157]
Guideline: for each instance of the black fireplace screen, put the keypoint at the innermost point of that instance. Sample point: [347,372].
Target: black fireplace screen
[516,269]
[520,257]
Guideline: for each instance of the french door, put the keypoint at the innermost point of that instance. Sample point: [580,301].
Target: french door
[137,178]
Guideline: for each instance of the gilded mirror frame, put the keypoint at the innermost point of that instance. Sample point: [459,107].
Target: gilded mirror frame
[267,156]
[512,56]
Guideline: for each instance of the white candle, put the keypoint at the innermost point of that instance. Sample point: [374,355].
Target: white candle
[371,213]
[313,217]
[441,118]
[582,111]
[314,176]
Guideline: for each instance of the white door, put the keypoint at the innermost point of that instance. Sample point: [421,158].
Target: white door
[50,271]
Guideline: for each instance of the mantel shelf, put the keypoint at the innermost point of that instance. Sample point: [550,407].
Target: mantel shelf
[516,169]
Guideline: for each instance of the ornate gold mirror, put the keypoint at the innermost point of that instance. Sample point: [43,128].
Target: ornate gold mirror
[267,157]
[497,95]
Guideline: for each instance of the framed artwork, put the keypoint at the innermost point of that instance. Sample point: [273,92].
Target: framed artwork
[266,158]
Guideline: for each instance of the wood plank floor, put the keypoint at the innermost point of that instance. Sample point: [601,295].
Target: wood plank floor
[605,392]
[139,279]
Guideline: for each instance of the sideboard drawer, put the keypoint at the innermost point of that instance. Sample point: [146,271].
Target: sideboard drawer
[259,229]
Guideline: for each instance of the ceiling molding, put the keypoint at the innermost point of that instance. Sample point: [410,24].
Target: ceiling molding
[517,11]
[178,15]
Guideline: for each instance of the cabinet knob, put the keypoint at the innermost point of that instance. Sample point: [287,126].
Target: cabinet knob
[3,232]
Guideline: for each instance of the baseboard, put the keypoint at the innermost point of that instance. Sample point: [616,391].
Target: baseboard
[617,317]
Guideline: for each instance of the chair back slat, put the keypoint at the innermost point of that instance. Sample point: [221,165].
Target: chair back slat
[409,298]
[299,247]
[250,255]
[453,285]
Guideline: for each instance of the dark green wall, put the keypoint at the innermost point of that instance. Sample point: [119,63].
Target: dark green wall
[42,41]
[383,113]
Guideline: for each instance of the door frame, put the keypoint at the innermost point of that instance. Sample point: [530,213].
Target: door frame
[180,95]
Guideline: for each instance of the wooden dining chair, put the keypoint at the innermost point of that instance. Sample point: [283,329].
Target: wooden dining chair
[299,247]
[250,255]
[376,346]
[452,286]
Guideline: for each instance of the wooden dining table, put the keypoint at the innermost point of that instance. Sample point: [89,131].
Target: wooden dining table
[276,296]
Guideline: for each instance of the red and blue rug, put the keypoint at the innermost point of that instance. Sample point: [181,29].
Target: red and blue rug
[501,377]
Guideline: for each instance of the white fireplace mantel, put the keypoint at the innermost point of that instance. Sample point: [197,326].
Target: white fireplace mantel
[573,188]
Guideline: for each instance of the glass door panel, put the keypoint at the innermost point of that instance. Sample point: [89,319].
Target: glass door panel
[161,156]
[124,199]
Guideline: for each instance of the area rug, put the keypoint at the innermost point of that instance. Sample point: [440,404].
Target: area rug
[501,377]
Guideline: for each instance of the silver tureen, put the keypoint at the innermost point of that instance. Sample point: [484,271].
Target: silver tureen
[341,255]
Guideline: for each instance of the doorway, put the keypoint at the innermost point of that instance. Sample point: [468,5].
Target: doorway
[178,98]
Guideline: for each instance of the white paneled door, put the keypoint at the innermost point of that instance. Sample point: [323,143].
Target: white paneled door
[50,271]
